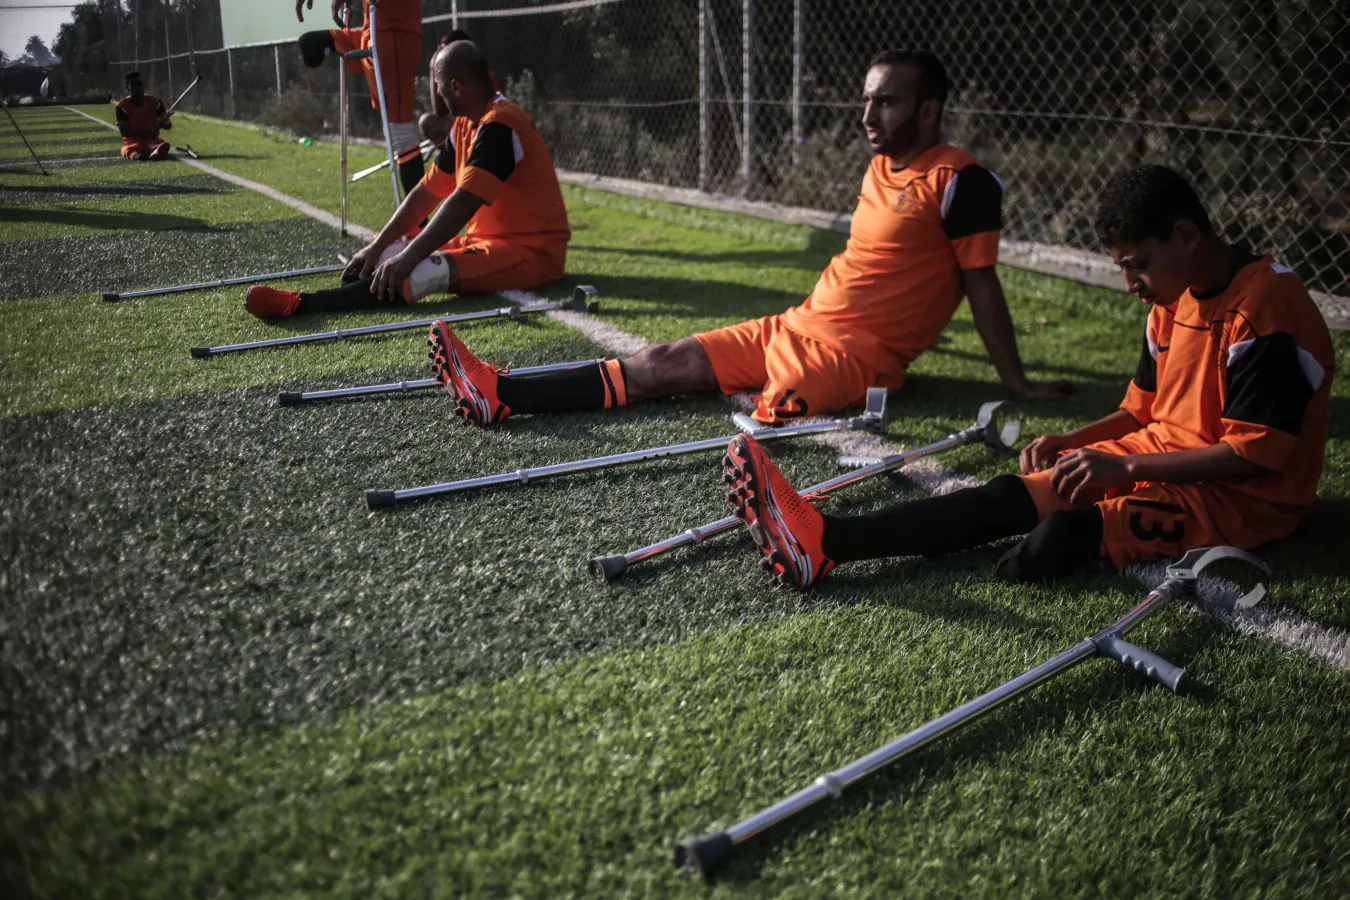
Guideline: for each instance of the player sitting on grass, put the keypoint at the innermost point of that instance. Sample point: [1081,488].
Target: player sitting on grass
[140,119]
[924,234]
[1219,440]
[495,176]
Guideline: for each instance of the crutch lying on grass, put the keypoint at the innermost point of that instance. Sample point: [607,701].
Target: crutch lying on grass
[225,282]
[989,428]
[704,854]
[873,418]
[296,398]
[582,300]
[31,151]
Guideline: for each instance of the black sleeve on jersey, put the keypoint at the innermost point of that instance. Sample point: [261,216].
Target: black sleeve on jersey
[445,160]
[1267,386]
[977,204]
[1146,373]
[122,115]
[494,150]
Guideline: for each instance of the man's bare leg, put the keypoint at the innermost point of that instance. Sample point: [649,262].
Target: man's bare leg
[666,370]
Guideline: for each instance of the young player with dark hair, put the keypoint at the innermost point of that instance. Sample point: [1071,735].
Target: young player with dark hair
[140,119]
[925,233]
[493,179]
[1219,440]
[399,29]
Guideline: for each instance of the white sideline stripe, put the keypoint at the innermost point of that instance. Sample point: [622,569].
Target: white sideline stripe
[1215,596]
[1287,629]
[299,206]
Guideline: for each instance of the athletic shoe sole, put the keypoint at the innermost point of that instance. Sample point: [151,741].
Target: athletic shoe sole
[450,372]
[751,492]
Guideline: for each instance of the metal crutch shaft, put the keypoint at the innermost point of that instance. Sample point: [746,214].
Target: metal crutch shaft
[987,428]
[384,103]
[296,398]
[376,499]
[225,282]
[705,853]
[505,312]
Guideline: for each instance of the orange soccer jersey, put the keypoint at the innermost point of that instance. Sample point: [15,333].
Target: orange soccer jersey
[502,160]
[1250,367]
[888,296]
[139,118]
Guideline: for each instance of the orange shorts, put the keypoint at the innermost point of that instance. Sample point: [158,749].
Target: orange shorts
[791,374]
[1149,520]
[400,56]
[483,266]
[136,149]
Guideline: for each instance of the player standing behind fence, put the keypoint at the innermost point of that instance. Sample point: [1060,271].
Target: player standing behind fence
[140,118]
[400,52]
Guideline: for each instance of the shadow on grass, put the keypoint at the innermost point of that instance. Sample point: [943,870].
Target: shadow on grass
[194,185]
[821,246]
[101,219]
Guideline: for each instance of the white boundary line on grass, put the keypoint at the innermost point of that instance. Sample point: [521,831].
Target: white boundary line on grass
[1283,628]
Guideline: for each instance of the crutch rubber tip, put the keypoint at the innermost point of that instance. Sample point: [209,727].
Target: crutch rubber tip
[111,298]
[607,568]
[290,398]
[200,352]
[379,499]
[703,854]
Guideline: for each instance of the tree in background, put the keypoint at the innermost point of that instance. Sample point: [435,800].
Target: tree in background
[35,53]
[80,44]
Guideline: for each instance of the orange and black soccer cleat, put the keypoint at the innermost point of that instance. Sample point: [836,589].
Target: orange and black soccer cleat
[785,526]
[159,151]
[271,303]
[470,381]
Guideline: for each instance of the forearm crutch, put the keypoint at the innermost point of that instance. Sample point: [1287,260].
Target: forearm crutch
[873,418]
[296,398]
[990,428]
[704,854]
[31,151]
[343,125]
[580,301]
[112,297]
[374,54]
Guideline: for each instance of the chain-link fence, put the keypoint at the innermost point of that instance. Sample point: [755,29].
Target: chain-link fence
[761,99]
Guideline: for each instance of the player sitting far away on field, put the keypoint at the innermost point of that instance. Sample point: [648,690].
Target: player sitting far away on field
[140,119]
[495,176]
[399,30]
[1219,440]
[924,234]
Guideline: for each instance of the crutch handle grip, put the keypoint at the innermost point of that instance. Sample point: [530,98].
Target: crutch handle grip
[605,569]
[379,499]
[200,352]
[703,854]
[354,55]
[290,398]
[1142,661]
[112,298]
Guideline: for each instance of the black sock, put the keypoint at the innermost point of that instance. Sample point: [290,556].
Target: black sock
[935,525]
[1064,542]
[410,172]
[571,390]
[352,295]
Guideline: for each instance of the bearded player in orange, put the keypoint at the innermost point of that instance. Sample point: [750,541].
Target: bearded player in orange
[399,32]
[1220,438]
[494,175]
[140,119]
[925,233]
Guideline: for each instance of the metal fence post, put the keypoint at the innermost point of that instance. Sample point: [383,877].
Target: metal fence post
[747,94]
[454,14]
[168,50]
[281,76]
[704,96]
[798,65]
[229,64]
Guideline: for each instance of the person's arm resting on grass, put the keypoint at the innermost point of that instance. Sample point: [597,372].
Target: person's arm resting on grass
[989,308]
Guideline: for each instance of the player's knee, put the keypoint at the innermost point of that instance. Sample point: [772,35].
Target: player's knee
[1062,543]
[675,367]
[315,47]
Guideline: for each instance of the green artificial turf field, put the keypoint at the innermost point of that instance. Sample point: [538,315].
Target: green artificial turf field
[221,674]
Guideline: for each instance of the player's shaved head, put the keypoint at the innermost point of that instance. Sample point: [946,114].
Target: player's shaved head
[463,61]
